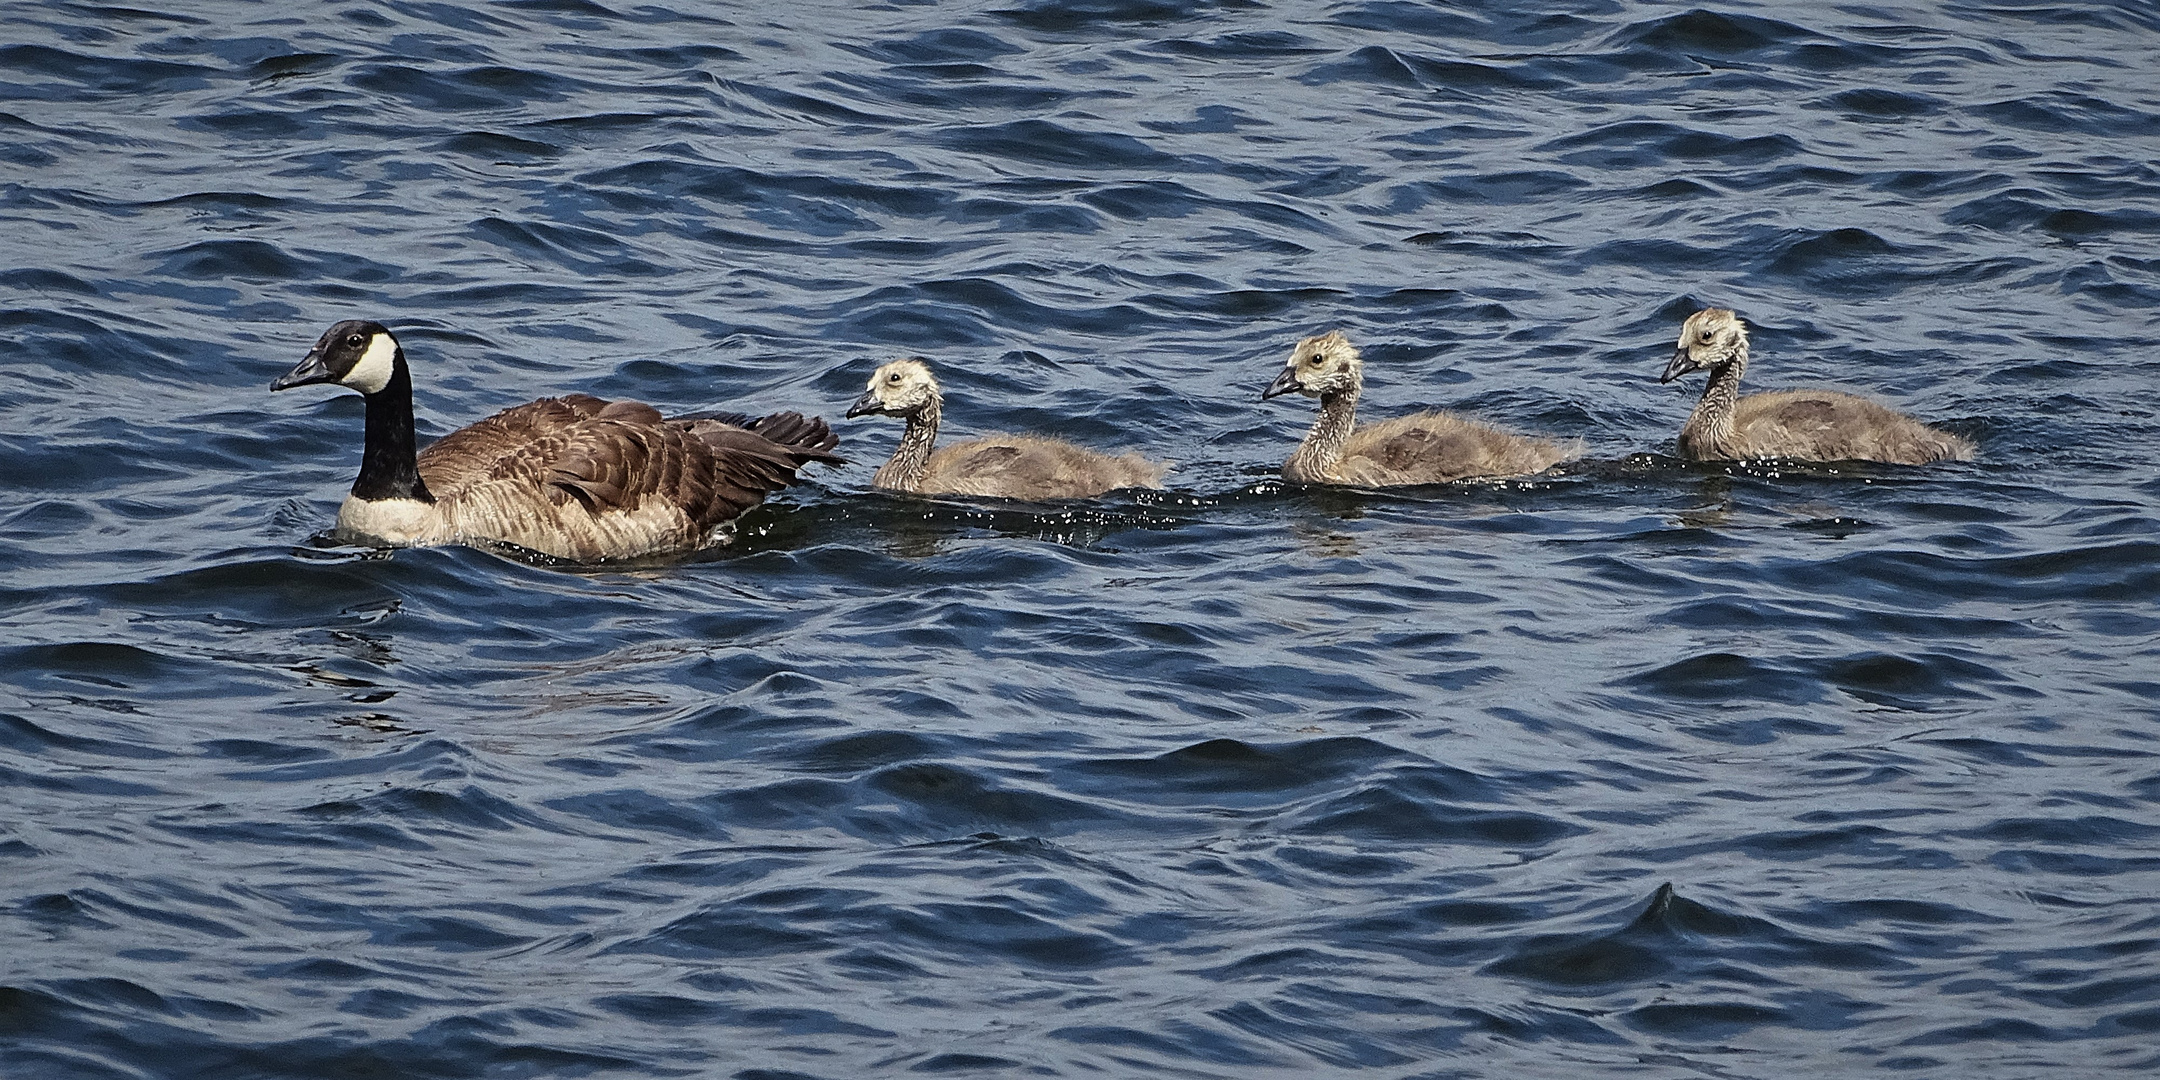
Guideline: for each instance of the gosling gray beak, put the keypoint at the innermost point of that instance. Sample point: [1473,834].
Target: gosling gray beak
[306,373]
[1283,384]
[1680,365]
[864,406]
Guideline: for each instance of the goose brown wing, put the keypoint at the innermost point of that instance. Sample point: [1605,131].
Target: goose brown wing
[741,420]
[617,465]
[803,433]
[787,429]
[482,450]
[516,475]
[744,464]
[710,470]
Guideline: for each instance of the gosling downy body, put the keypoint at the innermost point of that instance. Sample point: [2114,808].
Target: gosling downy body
[1001,466]
[1808,425]
[572,477]
[1423,448]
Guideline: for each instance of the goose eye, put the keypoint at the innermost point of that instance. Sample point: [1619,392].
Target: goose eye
[1706,337]
[893,378]
[356,341]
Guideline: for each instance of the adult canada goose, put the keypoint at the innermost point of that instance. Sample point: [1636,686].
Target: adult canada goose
[1005,466]
[1423,448]
[1811,425]
[574,477]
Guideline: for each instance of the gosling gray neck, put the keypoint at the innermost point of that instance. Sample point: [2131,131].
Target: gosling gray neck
[911,459]
[1322,449]
[1708,432]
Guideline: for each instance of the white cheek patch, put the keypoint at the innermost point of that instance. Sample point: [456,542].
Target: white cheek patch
[373,371]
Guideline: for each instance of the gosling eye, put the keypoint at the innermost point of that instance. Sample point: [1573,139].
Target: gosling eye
[356,341]
[893,378]
[1706,335]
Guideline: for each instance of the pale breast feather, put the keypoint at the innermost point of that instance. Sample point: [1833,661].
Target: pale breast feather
[399,522]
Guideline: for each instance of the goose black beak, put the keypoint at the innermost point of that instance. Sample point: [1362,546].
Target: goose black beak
[864,406]
[306,373]
[1283,384]
[1680,365]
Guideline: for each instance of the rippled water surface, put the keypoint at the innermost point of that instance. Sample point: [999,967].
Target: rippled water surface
[1641,768]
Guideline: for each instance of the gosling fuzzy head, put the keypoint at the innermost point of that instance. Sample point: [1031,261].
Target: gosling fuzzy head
[1321,364]
[1708,338]
[899,388]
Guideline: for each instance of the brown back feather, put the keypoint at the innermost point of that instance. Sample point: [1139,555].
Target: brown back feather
[475,452]
[796,430]
[616,457]
[784,428]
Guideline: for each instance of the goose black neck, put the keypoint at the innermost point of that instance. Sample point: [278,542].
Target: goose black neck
[389,463]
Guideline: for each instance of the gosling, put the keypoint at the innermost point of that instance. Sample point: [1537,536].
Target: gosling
[574,477]
[1805,425]
[1000,466]
[1424,448]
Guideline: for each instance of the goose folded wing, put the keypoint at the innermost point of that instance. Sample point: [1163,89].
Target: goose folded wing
[806,437]
[801,432]
[709,471]
[513,441]
[616,466]
[745,464]
[721,416]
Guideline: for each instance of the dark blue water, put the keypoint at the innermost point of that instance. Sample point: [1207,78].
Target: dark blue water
[1641,769]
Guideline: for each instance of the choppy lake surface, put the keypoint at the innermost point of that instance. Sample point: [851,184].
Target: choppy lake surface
[1641,768]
